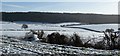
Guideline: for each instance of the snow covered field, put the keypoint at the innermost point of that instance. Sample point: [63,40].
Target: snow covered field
[15,45]
[100,27]
[48,28]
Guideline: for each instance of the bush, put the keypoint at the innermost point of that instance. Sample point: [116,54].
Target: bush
[24,26]
[56,38]
[77,41]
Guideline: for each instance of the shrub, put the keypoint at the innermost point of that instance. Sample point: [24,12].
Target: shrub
[24,26]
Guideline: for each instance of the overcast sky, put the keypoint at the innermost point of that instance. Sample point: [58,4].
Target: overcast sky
[74,7]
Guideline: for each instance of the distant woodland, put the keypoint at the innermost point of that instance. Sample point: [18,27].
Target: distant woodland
[51,17]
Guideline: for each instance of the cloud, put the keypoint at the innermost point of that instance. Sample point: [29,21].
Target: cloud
[11,5]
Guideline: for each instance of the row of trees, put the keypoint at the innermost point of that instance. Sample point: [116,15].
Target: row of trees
[111,40]
[51,17]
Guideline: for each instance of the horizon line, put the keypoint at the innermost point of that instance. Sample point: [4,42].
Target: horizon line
[60,12]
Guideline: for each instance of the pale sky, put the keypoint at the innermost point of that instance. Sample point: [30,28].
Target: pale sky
[105,7]
[60,0]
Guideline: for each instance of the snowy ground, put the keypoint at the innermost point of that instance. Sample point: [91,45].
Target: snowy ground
[14,45]
[100,27]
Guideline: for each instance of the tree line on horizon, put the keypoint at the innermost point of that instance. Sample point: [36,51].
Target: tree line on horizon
[50,17]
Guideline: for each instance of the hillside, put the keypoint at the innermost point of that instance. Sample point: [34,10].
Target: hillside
[50,17]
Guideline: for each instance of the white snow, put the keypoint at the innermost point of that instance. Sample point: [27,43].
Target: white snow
[100,27]
[19,46]
[50,28]
[14,29]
